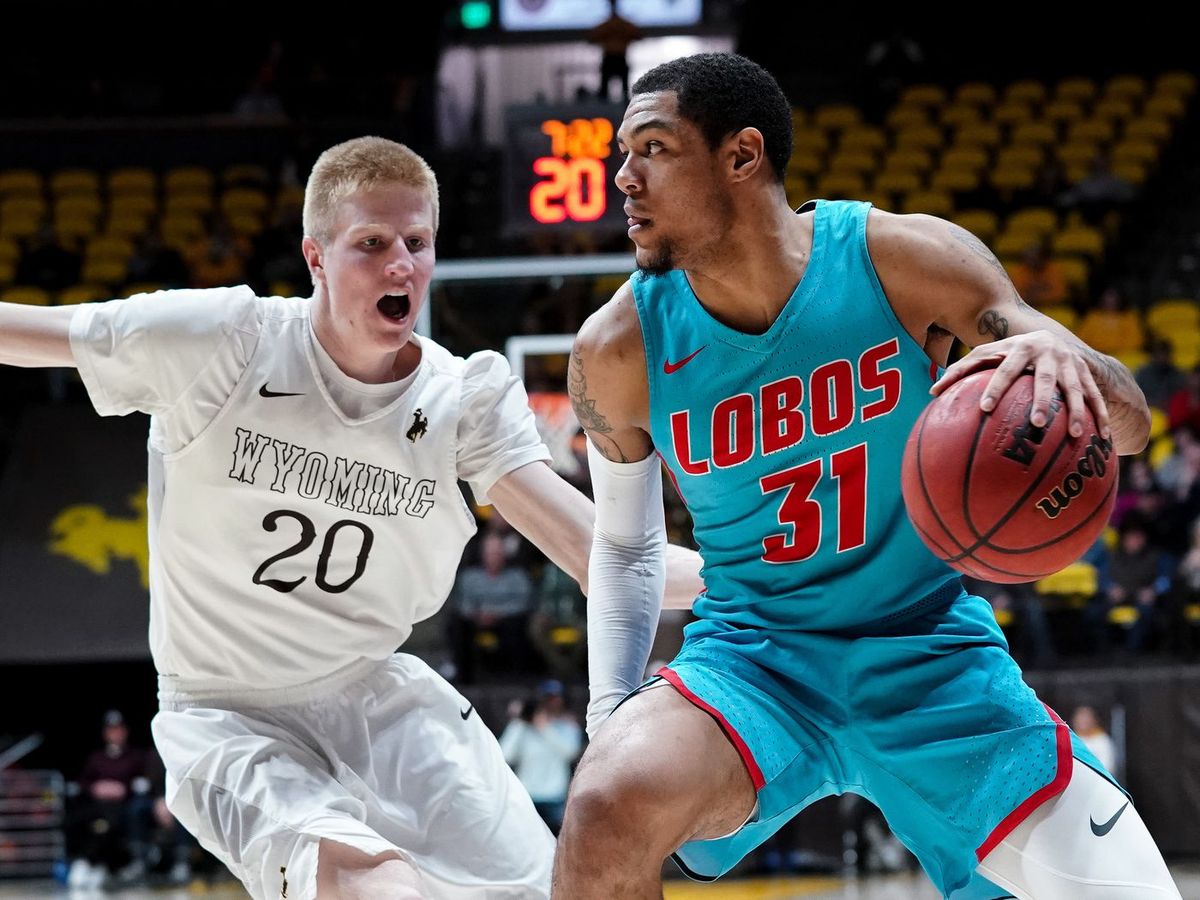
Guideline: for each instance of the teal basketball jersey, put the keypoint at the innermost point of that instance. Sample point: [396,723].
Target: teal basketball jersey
[786,446]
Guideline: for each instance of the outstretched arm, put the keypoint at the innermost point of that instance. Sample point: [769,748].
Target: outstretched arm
[940,276]
[36,336]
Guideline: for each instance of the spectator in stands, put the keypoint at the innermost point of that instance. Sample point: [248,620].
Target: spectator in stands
[541,742]
[614,35]
[1184,406]
[1135,482]
[1112,328]
[106,826]
[1087,726]
[1177,472]
[154,262]
[1158,377]
[558,626]
[1038,278]
[491,608]
[47,264]
[219,258]
[1139,574]
[1187,592]
[1100,191]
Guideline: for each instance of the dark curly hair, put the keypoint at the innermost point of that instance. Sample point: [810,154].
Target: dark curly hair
[723,93]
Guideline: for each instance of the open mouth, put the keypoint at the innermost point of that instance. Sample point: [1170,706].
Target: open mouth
[395,306]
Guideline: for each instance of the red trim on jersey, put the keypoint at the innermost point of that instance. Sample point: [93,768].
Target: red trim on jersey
[1037,798]
[756,775]
[933,367]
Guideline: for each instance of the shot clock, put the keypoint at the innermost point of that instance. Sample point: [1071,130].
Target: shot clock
[559,168]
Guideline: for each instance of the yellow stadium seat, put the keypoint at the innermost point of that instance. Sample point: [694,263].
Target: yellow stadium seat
[74,181]
[245,174]
[1010,244]
[799,117]
[82,293]
[1159,423]
[813,143]
[1027,91]
[1080,240]
[1181,83]
[798,191]
[919,137]
[1185,348]
[983,134]
[977,92]
[132,204]
[1164,107]
[1137,151]
[868,138]
[1161,449]
[972,159]
[840,186]
[187,204]
[879,201]
[188,180]
[1133,172]
[909,159]
[1117,108]
[1004,617]
[932,203]
[109,247]
[954,180]
[1131,359]
[907,117]
[836,117]
[293,195]
[131,180]
[1077,153]
[69,229]
[1062,112]
[1038,133]
[1025,156]
[8,272]
[1191,613]
[245,224]
[1075,270]
[10,250]
[22,206]
[1157,130]
[242,201]
[19,227]
[853,161]
[1078,90]
[1012,179]
[181,227]
[30,296]
[923,95]
[805,164]
[983,223]
[1124,615]
[1128,87]
[1039,219]
[959,114]
[1062,314]
[1091,131]
[78,205]
[104,271]
[896,182]
[1012,113]
[1079,579]
[127,225]
[21,181]
[1167,316]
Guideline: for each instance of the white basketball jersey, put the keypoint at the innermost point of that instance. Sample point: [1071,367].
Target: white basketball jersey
[288,540]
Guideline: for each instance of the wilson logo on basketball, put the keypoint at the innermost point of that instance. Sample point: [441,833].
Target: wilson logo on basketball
[1026,438]
[1093,464]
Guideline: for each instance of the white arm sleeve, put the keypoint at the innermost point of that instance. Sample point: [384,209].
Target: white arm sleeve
[626,578]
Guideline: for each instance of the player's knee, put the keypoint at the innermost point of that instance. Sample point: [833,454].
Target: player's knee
[619,804]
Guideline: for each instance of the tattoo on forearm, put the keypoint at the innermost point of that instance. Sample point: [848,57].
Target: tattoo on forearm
[1021,304]
[991,322]
[1124,399]
[976,246]
[585,410]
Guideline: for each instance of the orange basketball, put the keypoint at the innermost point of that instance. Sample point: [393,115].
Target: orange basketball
[997,498]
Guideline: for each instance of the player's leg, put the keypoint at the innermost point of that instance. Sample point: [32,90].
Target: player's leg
[659,773]
[1088,843]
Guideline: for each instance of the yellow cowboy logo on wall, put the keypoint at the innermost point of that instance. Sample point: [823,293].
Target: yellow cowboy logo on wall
[87,534]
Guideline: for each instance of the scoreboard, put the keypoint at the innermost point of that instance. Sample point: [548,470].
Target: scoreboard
[559,163]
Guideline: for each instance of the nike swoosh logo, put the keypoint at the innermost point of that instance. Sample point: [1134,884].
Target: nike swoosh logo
[1102,830]
[466,712]
[670,368]
[264,392]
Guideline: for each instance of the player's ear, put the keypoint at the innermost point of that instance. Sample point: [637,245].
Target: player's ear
[314,256]
[747,153]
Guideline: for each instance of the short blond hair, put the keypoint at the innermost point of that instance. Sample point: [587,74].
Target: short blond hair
[355,165]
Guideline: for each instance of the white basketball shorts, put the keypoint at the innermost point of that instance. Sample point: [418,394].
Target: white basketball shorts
[381,756]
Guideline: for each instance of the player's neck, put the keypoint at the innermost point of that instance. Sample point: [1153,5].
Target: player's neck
[751,274]
[363,366]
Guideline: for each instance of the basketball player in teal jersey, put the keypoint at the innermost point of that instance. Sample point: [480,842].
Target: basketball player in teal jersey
[775,363]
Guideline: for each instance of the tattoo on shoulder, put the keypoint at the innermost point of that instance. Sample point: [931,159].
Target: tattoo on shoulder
[976,246]
[991,322]
[589,417]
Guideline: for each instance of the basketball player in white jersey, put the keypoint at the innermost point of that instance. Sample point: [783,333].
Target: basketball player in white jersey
[304,513]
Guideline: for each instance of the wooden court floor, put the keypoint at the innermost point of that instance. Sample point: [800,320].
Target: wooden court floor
[900,887]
